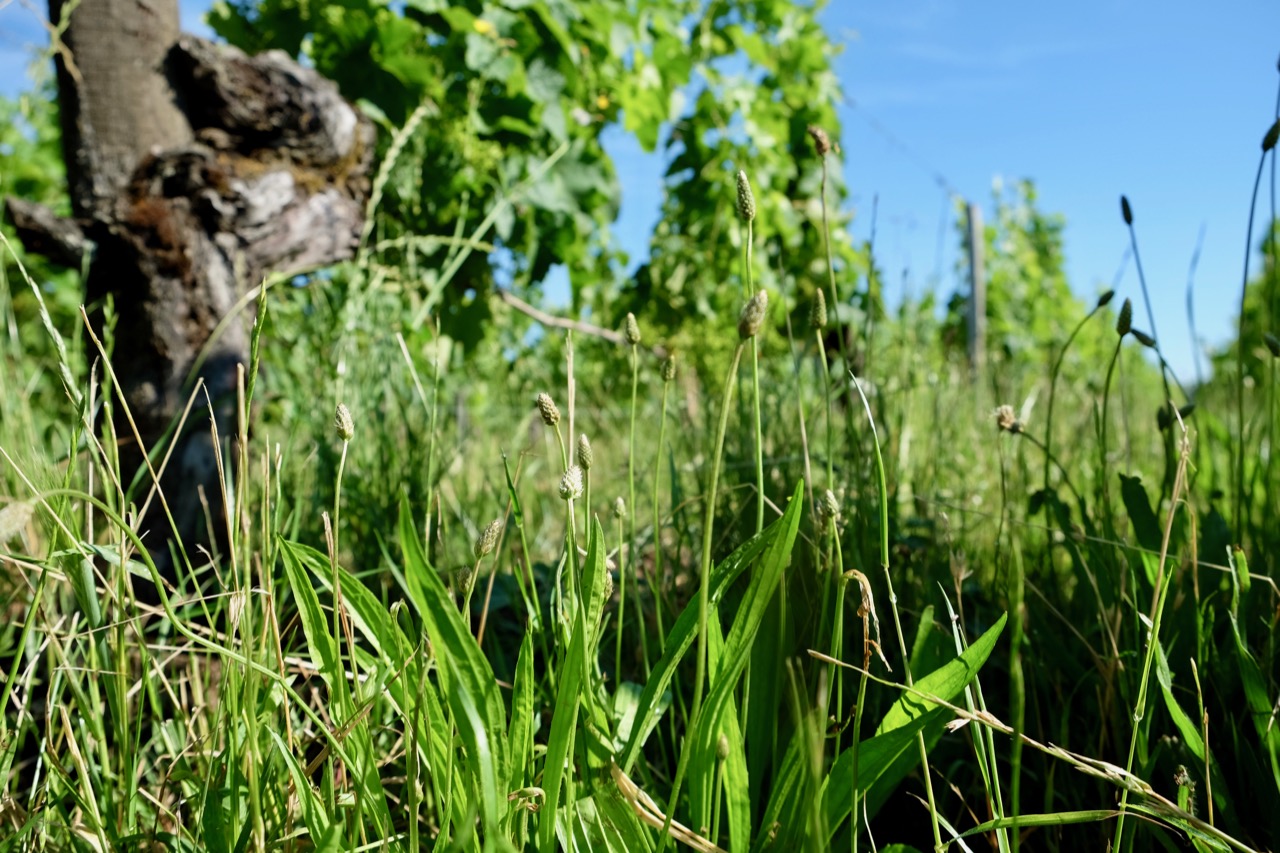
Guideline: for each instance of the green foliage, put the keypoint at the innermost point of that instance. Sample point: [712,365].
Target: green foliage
[194,725]
[31,169]
[1261,317]
[693,283]
[1030,303]
[506,89]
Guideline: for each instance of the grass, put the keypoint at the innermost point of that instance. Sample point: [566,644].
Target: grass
[1105,671]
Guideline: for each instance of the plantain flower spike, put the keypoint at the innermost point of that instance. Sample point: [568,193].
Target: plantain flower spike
[342,423]
[547,408]
[488,539]
[753,313]
[632,330]
[746,199]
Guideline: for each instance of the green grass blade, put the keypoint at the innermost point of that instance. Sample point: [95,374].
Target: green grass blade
[565,721]
[315,627]
[313,811]
[1259,703]
[946,682]
[520,735]
[680,638]
[702,786]
[737,650]
[468,681]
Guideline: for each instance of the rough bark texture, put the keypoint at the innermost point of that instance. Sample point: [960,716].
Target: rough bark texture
[236,167]
[116,105]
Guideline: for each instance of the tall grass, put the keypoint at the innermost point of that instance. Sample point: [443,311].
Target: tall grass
[326,682]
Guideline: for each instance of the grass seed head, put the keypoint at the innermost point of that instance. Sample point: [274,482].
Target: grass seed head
[1143,338]
[1007,419]
[488,538]
[608,587]
[1125,210]
[585,454]
[632,330]
[1104,299]
[722,747]
[14,519]
[821,142]
[1124,323]
[547,408]
[829,509]
[746,199]
[465,579]
[752,317]
[571,484]
[342,423]
[669,368]
[619,508]
[1273,136]
[818,311]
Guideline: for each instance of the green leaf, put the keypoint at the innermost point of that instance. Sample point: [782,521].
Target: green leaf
[313,811]
[786,809]
[737,651]
[682,635]
[564,723]
[1189,731]
[520,737]
[945,682]
[1259,703]
[469,684]
[878,758]
[320,644]
[1145,524]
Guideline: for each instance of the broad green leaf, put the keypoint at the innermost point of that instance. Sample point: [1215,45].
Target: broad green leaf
[358,753]
[785,814]
[877,757]
[681,637]
[945,682]
[1259,703]
[1189,731]
[469,684]
[315,627]
[746,622]
[313,811]
[735,788]
[601,821]
[481,742]
[1145,524]
[618,813]
[572,677]
[411,688]
[520,737]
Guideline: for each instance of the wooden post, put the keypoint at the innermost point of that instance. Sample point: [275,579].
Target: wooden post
[977,291]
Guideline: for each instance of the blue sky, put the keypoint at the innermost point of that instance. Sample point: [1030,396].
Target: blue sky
[1164,102]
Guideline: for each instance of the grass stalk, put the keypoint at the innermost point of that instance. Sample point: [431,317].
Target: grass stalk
[1238,506]
[704,575]
[1157,613]
[893,603]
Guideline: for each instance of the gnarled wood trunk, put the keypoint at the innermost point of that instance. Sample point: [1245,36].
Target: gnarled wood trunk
[194,172]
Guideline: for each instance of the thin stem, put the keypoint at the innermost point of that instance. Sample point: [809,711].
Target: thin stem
[1240,342]
[893,604]
[627,560]
[1153,637]
[704,588]
[1053,387]
[657,530]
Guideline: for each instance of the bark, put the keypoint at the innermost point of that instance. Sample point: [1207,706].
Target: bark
[194,172]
